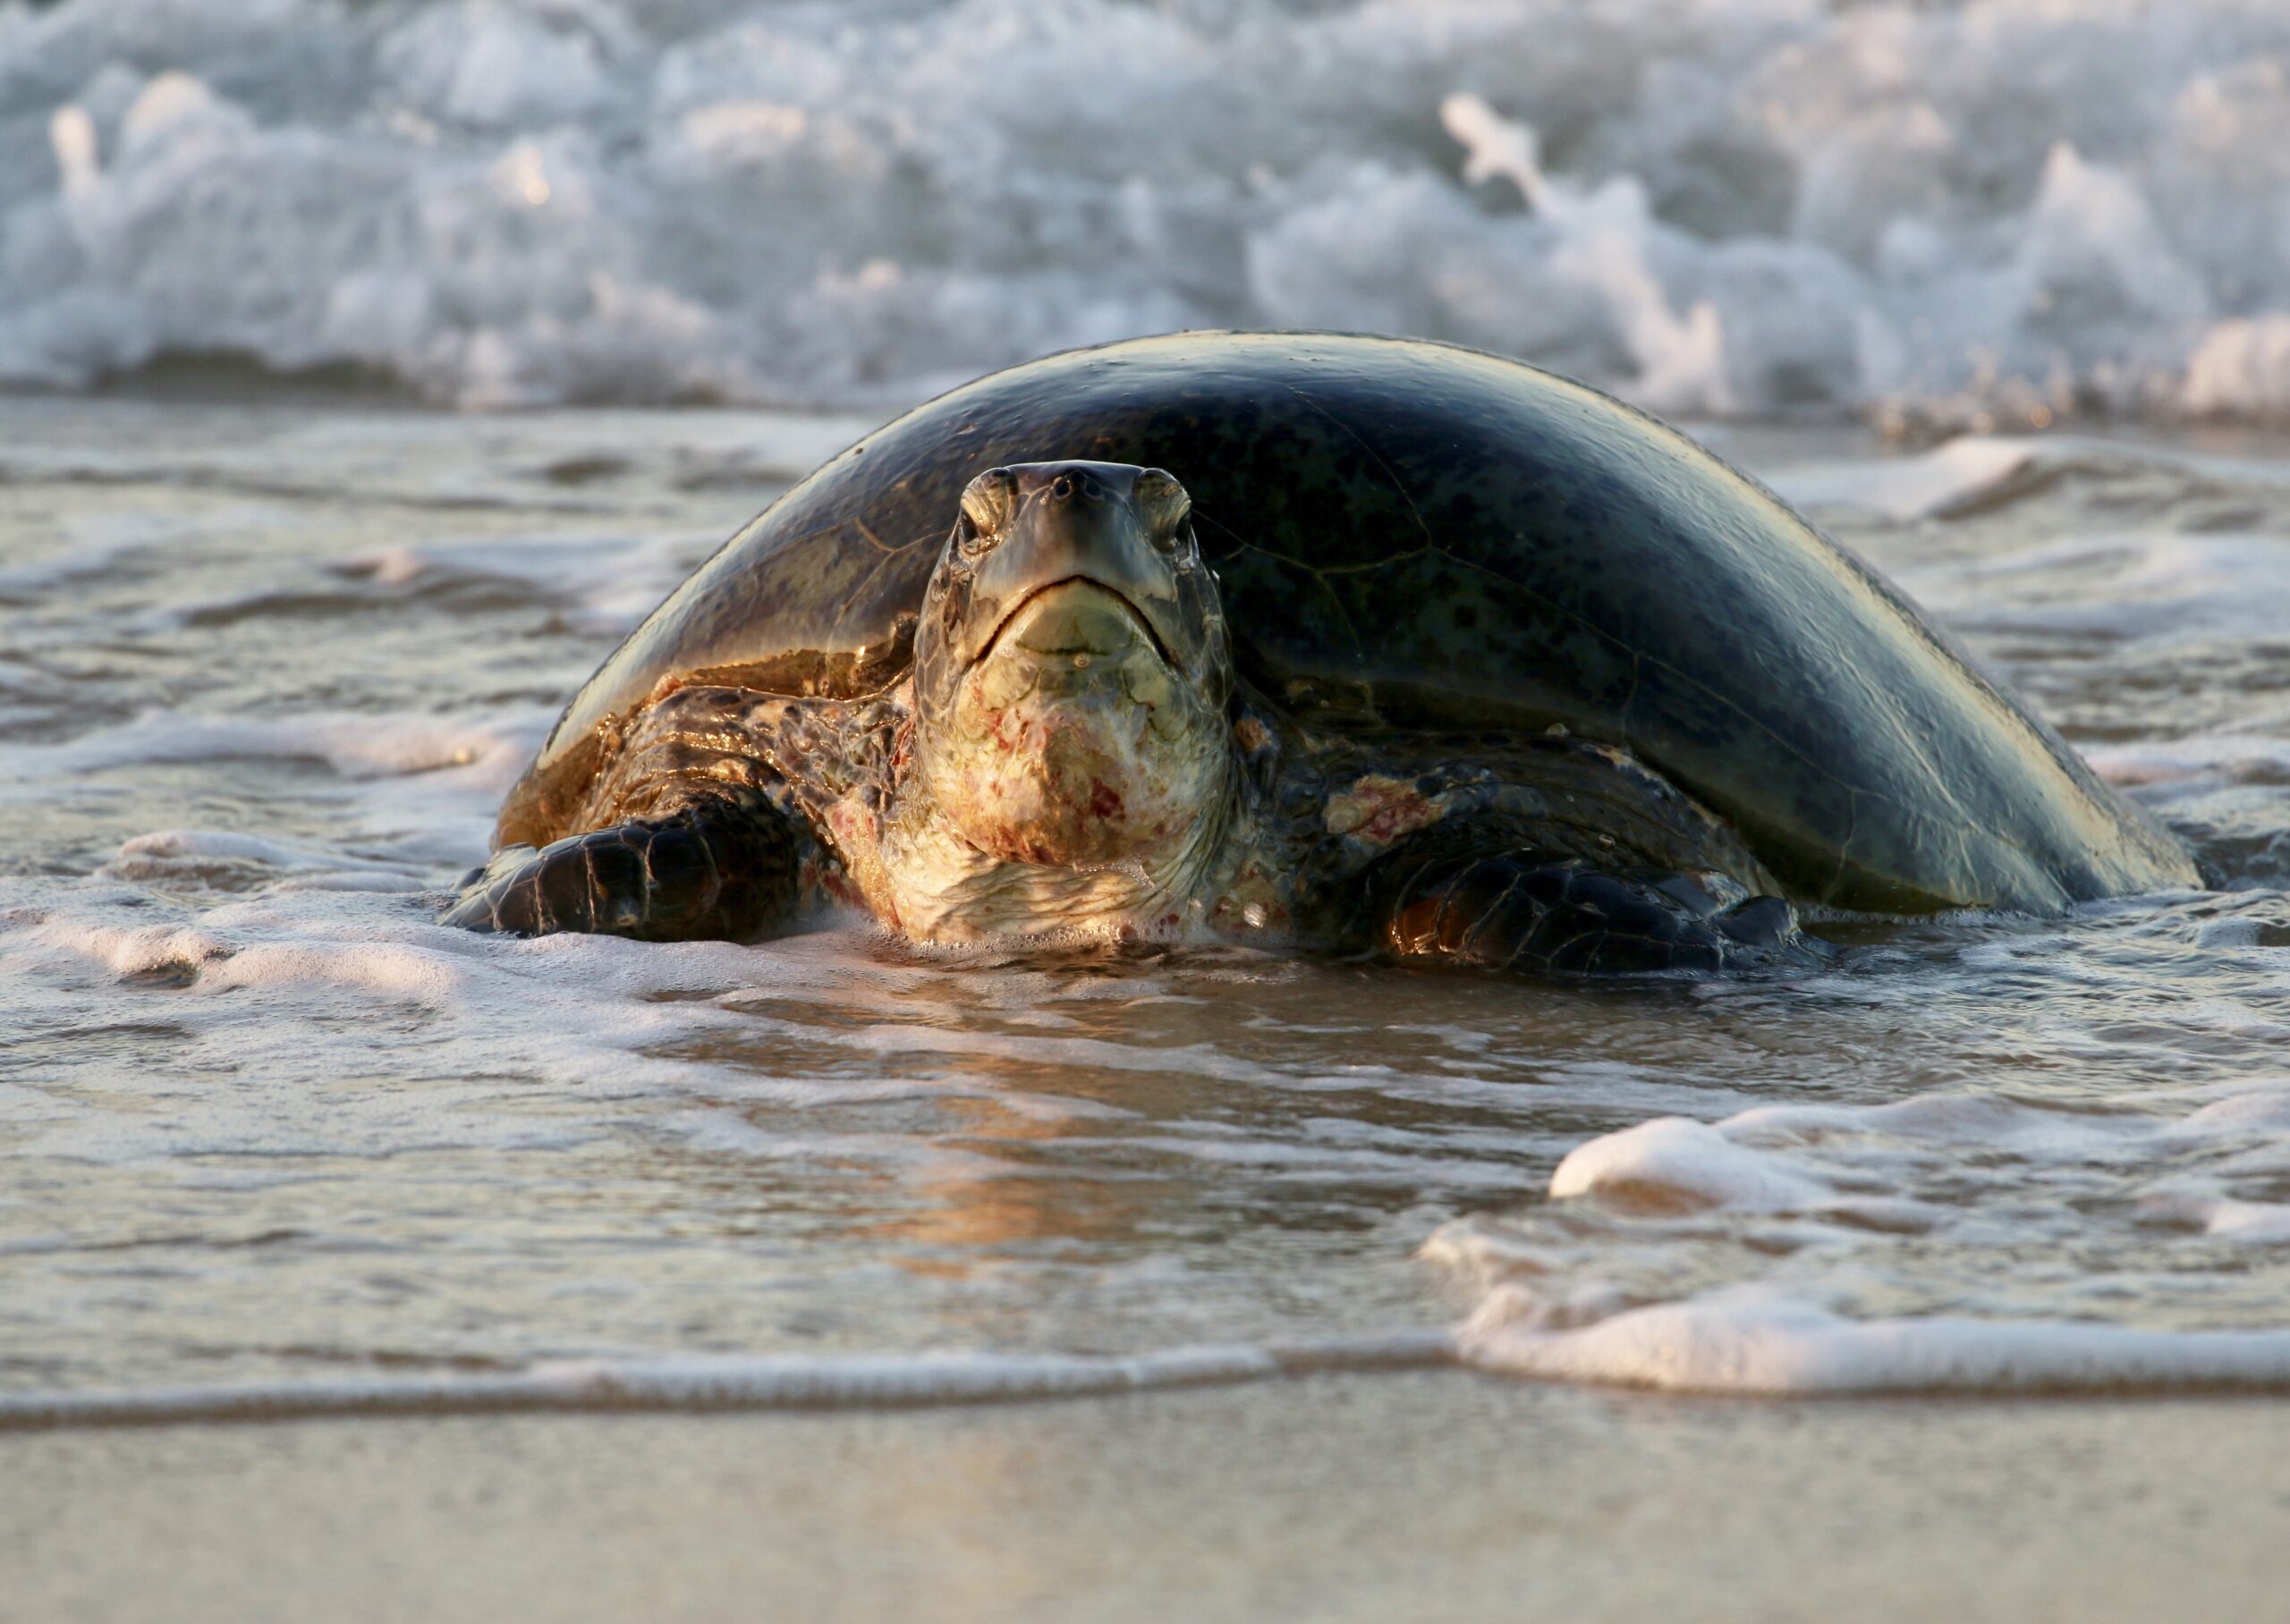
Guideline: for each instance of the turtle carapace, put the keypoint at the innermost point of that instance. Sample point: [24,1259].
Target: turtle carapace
[1348,643]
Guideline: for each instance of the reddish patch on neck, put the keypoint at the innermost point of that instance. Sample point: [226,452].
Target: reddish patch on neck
[1380,810]
[1104,800]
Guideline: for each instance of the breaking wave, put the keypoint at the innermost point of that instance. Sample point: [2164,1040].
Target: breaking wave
[1995,212]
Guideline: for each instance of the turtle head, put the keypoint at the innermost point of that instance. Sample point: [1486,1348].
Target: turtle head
[1071,668]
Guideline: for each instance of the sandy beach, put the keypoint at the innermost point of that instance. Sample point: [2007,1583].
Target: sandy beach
[1440,1495]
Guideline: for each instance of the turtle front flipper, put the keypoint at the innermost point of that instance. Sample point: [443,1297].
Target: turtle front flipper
[1517,910]
[723,869]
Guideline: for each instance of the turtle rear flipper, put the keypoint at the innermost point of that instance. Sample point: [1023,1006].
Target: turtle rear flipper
[724,868]
[1519,912]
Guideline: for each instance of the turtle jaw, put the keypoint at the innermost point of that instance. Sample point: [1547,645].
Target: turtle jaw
[1078,618]
[1070,740]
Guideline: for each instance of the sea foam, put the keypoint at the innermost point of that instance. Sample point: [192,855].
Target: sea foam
[1674,1296]
[2005,211]
[1751,1344]
[734,1382]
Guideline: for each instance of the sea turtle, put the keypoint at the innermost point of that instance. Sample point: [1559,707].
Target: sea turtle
[1354,643]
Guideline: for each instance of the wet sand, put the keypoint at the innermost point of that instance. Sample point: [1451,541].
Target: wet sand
[1437,1496]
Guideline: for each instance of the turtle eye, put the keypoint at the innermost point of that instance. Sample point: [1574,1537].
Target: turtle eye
[988,503]
[1164,506]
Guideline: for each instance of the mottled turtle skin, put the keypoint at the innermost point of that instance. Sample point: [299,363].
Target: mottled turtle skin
[1434,565]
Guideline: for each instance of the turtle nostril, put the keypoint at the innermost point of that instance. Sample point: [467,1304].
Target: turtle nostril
[1063,488]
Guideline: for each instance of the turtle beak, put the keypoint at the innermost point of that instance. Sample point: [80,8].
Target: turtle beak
[1076,617]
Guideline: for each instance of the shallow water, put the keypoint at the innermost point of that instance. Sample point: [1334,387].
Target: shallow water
[270,1136]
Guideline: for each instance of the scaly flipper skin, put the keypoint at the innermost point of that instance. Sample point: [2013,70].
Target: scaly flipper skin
[721,868]
[1517,910]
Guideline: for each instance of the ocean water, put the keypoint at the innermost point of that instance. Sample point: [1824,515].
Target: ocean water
[1980,213]
[275,1143]
[272,1141]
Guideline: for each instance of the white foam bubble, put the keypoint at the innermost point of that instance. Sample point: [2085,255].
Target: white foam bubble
[1675,1164]
[1751,1343]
